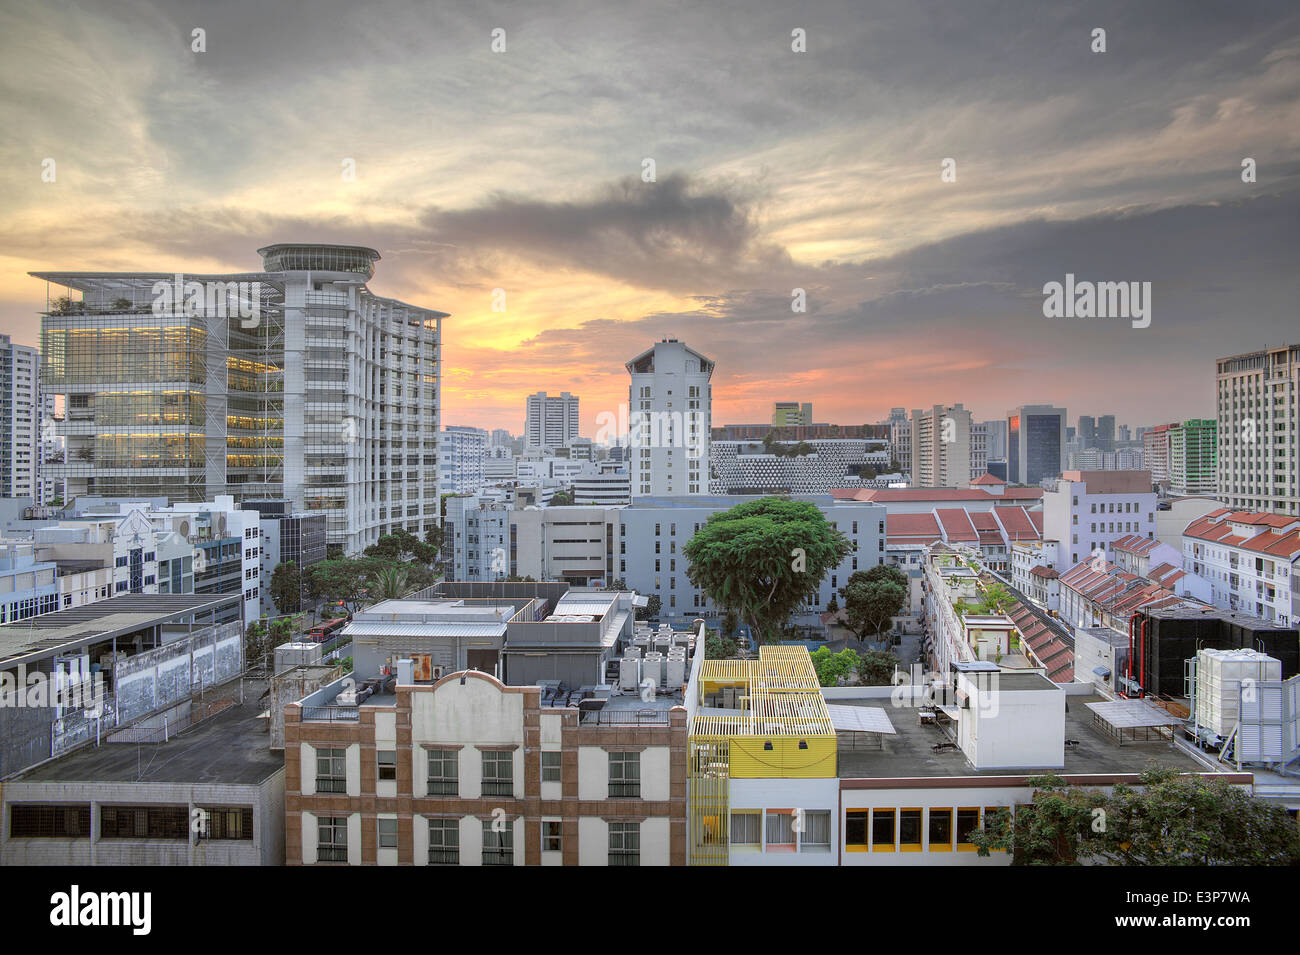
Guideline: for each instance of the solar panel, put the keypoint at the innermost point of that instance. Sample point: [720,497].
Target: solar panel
[860,719]
[1130,714]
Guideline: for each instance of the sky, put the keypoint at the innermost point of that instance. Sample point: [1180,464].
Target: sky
[525,170]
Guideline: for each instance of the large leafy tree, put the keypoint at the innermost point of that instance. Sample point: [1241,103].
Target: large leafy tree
[342,578]
[286,587]
[872,598]
[390,583]
[1169,819]
[764,559]
[403,546]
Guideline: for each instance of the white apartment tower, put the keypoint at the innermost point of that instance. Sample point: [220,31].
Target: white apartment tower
[1258,447]
[941,447]
[670,413]
[20,421]
[550,422]
[292,382]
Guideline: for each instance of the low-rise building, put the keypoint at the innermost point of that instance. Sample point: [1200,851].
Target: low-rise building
[1249,559]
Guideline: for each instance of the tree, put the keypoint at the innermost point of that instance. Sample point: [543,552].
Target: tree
[872,598]
[833,669]
[877,667]
[342,578]
[390,583]
[996,599]
[719,647]
[561,499]
[403,546]
[651,609]
[1171,820]
[764,559]
[286,587]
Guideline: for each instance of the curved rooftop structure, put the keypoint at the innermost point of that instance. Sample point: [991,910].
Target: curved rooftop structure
[308,257]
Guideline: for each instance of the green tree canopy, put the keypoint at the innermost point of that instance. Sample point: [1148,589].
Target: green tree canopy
[764,559]
[403,546]
[872,598]
[343,578]
[286,587]
[1170,820]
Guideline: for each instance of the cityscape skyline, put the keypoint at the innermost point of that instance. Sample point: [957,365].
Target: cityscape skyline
[930,290]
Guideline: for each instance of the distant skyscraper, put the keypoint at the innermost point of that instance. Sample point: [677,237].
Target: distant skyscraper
[21,411]
[1258,445]
[294,382]
[501,438]
[1192,457]
[461,460]
[1087,432]
[941,447]
[670,415]
[1106,433]
[1155,446]
[550,422]
[791,414]
[1035,443]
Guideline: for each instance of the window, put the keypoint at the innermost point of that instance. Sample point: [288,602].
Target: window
[443,772]
[816,836]
[882,830]
[331,771]
[625,843]
[227,824]
[387,833]
[551,767]
[387,764]
[49,822]
[498,844]
[624,774]
[332,844]
[552,839]
[144,822]
[909,830]
[444,842]
[780,830]
[745,829]
[968,820]
[498,773]
[855,829]
[940,830]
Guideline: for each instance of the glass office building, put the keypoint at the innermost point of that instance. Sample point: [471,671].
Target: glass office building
[293,382]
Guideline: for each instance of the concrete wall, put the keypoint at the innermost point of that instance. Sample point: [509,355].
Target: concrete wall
[265,848]
[156,678]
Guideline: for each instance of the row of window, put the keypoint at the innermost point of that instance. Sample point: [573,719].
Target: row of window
[497,766]
[30,821]
[498,841]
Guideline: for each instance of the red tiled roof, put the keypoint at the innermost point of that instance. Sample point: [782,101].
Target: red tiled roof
[899,494]
[1019,523]
[956,523]
[1274,544]
[1135,544]
[1036,518]
[987,478]
[1042,571]
[911,528]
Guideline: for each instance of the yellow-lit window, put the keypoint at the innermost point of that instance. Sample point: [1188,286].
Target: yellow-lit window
[968,820]
[940,830]
[882,830]
[856,822]
[909,830]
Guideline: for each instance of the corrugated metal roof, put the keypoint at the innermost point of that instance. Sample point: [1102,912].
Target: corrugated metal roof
[425,630]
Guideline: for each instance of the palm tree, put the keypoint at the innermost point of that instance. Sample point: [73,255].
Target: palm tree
[390,583]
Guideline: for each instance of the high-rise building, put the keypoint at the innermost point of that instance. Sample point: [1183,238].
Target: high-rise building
[550,422]
[1258,447]
[670,411]
[791,414]
[501,438]
[1085,512]
[1106,433]
[1192,458]
[1035,443]
[461,459]
[941,447]
[20,421]
[1155,445]
[1086,432]
[294,382]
